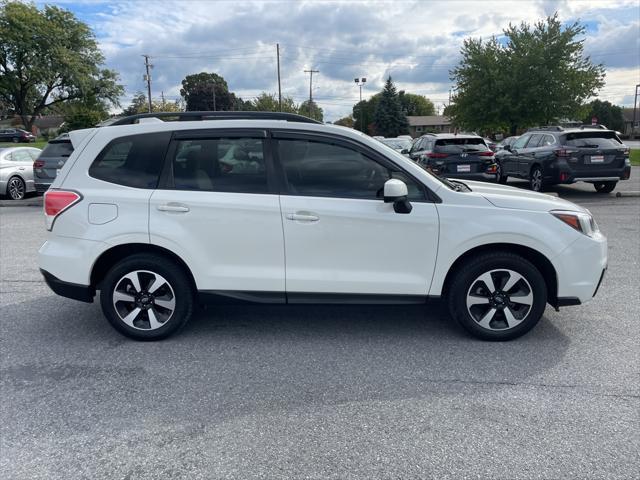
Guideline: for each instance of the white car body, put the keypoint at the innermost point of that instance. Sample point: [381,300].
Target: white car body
[311,245]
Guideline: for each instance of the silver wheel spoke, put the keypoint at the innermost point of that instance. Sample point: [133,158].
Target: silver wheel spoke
[511,320]
[484,321]
[513,279]
[153,321]
[168,304]
[157,283]
[474,300]
[488,281]
[122,297]
[132,316]
[522,299]
[133,276]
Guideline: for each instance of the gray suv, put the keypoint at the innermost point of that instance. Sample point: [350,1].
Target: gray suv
[50,161]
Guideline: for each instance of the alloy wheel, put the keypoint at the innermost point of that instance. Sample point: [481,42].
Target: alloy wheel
[16,188]
[144,300]
[536,180]
[499,299]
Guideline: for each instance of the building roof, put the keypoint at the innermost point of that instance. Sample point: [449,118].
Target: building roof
[428,120]
[49,121]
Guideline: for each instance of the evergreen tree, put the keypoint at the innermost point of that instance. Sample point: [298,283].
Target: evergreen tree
[389,118]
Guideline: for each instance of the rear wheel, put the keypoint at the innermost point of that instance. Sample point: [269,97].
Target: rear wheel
[16,188]
[605,187]
[15,139]
[147,297]
[536,179]
[498,296]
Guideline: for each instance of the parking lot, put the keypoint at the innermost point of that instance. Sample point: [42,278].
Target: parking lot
[320,391]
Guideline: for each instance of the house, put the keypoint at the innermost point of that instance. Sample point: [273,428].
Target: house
[630,130]
[46,125]
[419,125]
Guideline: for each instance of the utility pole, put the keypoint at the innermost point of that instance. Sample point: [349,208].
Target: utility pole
[360,82]
[147,77]
[162,96]
[635,110]
[279,89]
[214,96]
[311,72]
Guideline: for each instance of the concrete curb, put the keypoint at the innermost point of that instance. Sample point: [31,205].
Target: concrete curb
[32,202]
[630,193]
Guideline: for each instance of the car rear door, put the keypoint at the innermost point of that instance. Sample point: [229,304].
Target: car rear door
[340,236]
[218,209]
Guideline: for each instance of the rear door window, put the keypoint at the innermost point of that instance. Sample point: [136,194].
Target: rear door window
[220,165]
[133,161]
[593,140]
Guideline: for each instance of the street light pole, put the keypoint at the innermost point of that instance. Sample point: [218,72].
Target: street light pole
[360,82]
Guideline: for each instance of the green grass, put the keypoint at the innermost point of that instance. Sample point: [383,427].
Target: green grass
[36,144]
[634,156]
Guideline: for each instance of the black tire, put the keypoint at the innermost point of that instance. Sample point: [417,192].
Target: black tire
[500,176]
[180,290]
[536,180]
[15,140]
[467,277]
[605,187]
[16,188]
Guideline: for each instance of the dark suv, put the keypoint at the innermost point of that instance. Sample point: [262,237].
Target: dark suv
[455,155]
[551,155]
[50,161]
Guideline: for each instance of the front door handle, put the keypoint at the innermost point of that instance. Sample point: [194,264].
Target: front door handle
[302,217]
[173,207]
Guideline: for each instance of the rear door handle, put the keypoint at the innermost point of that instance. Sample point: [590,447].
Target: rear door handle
[302,217]
[173,207]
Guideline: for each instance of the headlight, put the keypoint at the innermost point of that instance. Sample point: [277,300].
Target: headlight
[582,222]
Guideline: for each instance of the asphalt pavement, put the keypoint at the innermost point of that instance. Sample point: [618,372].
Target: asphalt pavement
[320,392]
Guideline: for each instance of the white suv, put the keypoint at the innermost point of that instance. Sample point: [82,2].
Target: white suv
[276,208]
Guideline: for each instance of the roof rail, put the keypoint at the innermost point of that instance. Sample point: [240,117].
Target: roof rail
[597,126]
[547,128]
[198,116]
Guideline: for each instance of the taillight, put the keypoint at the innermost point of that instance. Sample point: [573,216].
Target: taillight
[56,202]
[493,168]
[485,154]
[564,152]
[437,155]
[38,164]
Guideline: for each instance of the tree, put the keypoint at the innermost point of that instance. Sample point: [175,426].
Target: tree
[311,111]
[268,102]
[606,113]
[416,105]
[538,76]
[139,104]
[48,57]
[83,113]
[389,119]
[208,92]
[345,121]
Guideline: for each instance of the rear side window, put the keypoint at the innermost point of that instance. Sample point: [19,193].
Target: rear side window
[133,161]
[593,140]
[220,165]
[58,149]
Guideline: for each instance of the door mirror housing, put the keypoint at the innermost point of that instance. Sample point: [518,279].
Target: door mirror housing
[507,148]
[404,152]
[396,192]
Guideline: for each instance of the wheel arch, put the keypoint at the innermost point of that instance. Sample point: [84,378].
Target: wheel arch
[119,252]
[539,260]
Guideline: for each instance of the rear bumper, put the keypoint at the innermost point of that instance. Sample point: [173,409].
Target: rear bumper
[565,174]
[41,186]
[84,293]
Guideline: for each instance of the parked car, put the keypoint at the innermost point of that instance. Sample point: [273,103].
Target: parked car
[158,232]
[401,145]
[455,155]
[552,155]
[50,161]
[16,135]
[507,142]
[16,171]
[490,143]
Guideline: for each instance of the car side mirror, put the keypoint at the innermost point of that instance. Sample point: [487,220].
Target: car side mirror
[404,152]
[507,148]
[395,191]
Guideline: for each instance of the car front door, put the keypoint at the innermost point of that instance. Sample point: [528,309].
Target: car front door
[340,236]
[527,155]
[509,159]
[218,209]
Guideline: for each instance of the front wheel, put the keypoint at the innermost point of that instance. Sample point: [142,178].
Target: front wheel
[147,297]
[605,187]
[500,176]
[498,296]
[16,188]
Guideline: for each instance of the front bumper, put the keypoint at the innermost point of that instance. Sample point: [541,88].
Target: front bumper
[84,293]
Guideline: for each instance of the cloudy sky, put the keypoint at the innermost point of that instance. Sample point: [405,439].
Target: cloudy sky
[416,42]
